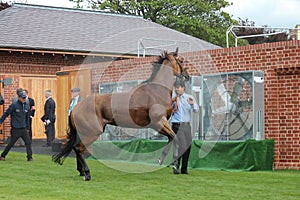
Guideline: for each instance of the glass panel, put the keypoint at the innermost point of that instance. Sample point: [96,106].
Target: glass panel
[227,108]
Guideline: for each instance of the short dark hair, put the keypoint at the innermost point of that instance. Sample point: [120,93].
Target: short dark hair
[179,83]
[22,95]
[18,90]
[75,90]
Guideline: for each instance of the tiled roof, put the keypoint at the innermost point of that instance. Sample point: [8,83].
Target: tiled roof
[24,26]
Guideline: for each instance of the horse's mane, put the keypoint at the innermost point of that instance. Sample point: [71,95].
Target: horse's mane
[156,66]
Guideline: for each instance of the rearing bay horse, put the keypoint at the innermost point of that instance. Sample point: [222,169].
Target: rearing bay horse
[148,105]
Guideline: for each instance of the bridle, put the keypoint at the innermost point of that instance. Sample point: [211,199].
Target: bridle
[183,74]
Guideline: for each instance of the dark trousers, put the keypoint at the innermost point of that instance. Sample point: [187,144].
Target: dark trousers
[182,147]
[50,132]
[30,129]
[15,135]
[29,132]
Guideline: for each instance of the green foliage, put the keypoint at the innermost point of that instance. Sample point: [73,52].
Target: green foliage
[203,19]
[42,179]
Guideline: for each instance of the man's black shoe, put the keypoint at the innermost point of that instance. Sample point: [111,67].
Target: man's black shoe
[175,170]
[184,172]
[29,159]
[159,161]
[46,145]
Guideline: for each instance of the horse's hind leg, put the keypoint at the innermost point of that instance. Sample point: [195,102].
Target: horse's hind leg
[78,162]
[82,167]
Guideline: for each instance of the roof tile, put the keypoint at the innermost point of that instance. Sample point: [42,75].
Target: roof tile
[52,28]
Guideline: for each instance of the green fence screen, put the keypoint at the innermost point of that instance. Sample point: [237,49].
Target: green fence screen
[249,155]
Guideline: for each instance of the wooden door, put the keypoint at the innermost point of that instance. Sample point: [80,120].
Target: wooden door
[67,80]
[36,86]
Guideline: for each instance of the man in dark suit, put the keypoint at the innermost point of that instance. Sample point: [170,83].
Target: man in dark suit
[18,112]
[15,99]
[49,118]
[31,105]
[76,98]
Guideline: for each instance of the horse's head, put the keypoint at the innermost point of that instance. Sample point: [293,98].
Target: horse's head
[172,60]
[176,63]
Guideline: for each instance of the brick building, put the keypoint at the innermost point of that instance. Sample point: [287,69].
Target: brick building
[37,41]
[280,63]
[51,67]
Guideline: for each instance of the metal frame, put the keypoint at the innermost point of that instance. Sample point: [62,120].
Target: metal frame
[257,104]
[143,47]
[230,30]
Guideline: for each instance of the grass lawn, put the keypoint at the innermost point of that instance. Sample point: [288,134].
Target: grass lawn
[42,179]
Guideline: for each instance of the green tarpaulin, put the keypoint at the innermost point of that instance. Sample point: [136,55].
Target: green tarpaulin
[247,155]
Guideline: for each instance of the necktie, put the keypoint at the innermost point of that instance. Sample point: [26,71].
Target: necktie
[72,104]
[175,104]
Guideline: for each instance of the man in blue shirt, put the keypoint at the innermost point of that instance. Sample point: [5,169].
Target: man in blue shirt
[76,98]
[18,112]
[183,105]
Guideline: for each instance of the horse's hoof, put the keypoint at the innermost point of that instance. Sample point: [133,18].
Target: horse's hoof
[160,161]
[87,178]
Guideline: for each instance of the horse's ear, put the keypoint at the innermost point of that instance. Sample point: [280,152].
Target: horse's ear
[176,52]
[164,55]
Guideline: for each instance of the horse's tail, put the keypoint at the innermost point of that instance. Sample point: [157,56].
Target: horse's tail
[60,157]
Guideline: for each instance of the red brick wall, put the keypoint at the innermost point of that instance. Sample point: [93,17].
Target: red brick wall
[281,65]
[14,64]
[279,61]
[289,123]
[122,70]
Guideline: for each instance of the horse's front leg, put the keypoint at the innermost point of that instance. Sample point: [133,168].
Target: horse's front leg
[166,130]
[82,167]
[166,150]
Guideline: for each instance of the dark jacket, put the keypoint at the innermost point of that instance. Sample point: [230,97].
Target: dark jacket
[49,110]
[31,106]
[18,112]
[1,100]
